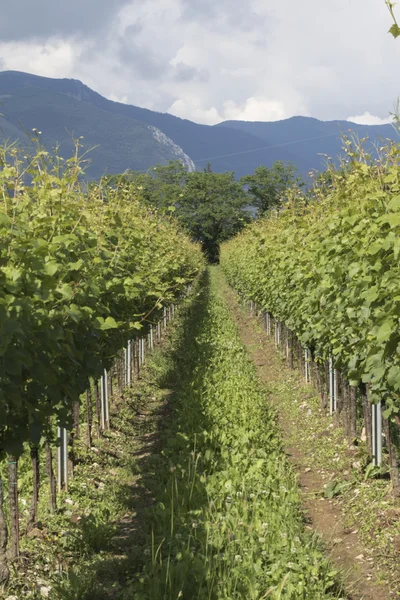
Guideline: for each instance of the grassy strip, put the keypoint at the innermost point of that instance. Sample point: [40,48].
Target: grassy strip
[227,523]
[363,494]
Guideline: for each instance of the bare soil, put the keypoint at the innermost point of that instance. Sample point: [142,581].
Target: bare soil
[359,573]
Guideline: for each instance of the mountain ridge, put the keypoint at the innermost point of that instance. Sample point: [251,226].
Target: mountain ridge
[238,146]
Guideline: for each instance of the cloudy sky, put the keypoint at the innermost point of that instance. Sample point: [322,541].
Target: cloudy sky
[211,60]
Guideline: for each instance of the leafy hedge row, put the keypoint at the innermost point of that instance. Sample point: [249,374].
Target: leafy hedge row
[79,273]
[328,266]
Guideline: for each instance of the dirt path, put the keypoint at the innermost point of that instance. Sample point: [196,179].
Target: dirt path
[362,578]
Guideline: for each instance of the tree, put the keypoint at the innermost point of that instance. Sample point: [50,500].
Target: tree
[267,185]
[212,208]
[162,184]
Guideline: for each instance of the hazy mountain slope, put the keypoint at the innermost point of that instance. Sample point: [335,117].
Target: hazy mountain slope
[309,138]
[8,131]
[126,141]
[120,143]
[226,148]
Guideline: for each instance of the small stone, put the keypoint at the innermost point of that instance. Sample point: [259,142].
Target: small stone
[360,557]
[69,501]
[34,533]
[75,518]
[356,465]
[307,470]
[44,591]
[363,435]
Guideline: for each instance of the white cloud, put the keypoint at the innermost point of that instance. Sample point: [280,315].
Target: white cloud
[53,58]
[191,108]
[121,99]
[255,109]
[211,61]
[368,119]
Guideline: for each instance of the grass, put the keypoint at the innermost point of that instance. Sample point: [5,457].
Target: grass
[364,493]
[196,500]
[227,523]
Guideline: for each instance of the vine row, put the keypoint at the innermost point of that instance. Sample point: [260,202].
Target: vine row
[326,268]
[82,273]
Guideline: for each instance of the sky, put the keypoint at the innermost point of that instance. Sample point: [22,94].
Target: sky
[214,60]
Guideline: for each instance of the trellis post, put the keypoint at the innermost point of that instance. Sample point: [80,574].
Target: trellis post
[332,386]
[377,434]
[129,363]
[62,459]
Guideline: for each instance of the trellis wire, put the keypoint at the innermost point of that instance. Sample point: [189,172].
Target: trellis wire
[62,450]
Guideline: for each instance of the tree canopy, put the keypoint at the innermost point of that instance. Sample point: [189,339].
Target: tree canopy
[267,185]
[212,207]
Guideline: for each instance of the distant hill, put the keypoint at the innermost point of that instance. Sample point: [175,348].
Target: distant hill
[121,143]
[310,140]
[126,137]
[239,151]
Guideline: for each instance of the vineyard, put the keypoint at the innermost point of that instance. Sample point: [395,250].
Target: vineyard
[324,273]
[84,276]
[141,455]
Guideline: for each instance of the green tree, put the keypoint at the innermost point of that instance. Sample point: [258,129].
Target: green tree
[162,184]
[267,185]
[212,208]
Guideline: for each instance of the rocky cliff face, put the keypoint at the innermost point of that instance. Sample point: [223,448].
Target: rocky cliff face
[166,141]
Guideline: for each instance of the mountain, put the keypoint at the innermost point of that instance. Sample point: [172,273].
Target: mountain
[311,140]
[118,143]
[132,137]
[227,149]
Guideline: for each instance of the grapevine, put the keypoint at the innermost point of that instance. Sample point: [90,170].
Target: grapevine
[80,272]
[327,265]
